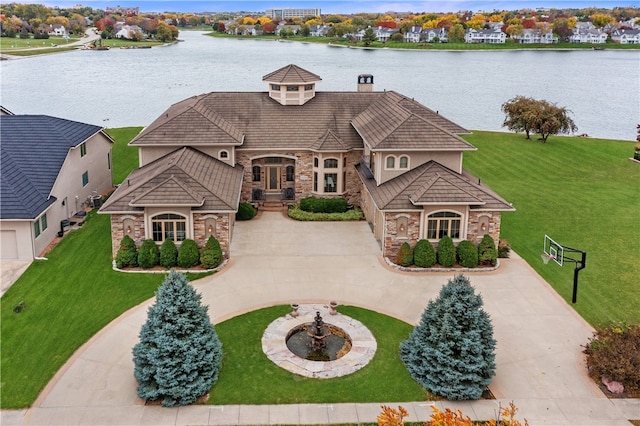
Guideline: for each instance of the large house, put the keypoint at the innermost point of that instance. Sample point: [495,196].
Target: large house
[50,167]
[386,153]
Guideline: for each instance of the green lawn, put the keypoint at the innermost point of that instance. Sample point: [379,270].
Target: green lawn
[16,43]
[249,377]
[582,192]
[125,157]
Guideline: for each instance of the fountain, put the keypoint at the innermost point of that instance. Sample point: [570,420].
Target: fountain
[318,341]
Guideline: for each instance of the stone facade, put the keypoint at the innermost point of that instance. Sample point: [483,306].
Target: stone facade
[126,224]
[400,228]
[479,219]
[134,226]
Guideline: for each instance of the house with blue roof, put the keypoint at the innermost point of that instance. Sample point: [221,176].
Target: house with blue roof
[49,168]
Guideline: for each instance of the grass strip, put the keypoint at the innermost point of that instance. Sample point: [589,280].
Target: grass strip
[249,377]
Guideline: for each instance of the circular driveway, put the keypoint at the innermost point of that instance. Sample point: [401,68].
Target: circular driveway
[276,260]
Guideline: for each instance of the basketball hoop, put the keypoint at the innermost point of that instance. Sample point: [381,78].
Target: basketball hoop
[546,258]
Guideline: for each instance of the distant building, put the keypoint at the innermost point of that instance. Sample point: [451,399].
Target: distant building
[286,13]
[123,10]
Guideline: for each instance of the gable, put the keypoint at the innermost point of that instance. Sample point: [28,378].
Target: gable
[185,177]
[432,184]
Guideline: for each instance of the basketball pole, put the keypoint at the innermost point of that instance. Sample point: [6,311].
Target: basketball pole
[580,265]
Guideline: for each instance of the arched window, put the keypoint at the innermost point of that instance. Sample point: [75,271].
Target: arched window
[290,172]
[168,226]
[404,162]
[391,162]
[224,155]
[331,163]
[443,223]
[255,171]
[315,161]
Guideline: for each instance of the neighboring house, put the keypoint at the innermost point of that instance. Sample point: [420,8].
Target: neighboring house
[414,35]
[49,167]
[129,31]
[432,33]
[318,30]
[485,36]
[57,30]
[292,29]
[531,36]
[383,33]
[593,36]
[384,152]
[626,36]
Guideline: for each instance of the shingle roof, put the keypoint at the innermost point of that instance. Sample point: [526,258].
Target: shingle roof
[432,183]
[183,177]
[33,149]
[390,123]
[291,74]
[266,124]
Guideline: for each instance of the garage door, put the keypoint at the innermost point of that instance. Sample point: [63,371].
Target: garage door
[8,245]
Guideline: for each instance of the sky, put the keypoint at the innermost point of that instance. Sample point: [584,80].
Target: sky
[330,6]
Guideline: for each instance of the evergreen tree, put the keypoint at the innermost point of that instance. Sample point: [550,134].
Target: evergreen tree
[446,252]
[452,351]
[404,257]
[179,354]
[424,255]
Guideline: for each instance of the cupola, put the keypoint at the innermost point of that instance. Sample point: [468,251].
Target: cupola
[291,85]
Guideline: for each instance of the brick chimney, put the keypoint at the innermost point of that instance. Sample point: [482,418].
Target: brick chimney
[365,83]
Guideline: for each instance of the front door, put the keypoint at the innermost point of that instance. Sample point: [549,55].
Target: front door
[273,178]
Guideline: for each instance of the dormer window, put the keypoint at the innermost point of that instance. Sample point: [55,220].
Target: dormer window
[224,155]
[292,88]
[275,87]
[308,87]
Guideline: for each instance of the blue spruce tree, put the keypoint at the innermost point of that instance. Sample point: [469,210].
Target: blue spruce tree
[452,351]
[179,354]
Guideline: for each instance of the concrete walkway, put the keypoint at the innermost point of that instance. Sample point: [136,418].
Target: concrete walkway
[275,260]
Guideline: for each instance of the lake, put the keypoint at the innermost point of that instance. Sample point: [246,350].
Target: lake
[131,87]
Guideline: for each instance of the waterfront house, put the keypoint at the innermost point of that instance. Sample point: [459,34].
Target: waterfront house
[396,159]
[626,36]
[593,36]
[491,36]
[50,168]
[531,36]
[57,30]
[414,35]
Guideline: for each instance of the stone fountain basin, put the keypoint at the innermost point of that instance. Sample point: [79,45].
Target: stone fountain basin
[274,344]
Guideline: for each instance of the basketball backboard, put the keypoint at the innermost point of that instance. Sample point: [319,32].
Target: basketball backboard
[553,250]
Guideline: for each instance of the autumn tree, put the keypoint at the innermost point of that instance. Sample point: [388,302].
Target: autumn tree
[456,33]
[518,114]
[179,355]
[551,119]
[451,351]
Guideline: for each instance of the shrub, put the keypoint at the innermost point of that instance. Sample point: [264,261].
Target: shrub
[613,353]
[127,253]
[404,257]
[467,254]
[245,212]
[487,253]
[148,254]
[323,205]
[177,365]
[446,252]
[188,254]
[503,249]
[424,255]
[211,256]
[168,254]
[451,351]
[298,214]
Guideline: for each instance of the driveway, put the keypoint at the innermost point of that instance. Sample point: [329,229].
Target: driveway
[276,260]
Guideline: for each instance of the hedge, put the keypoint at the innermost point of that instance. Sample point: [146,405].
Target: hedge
[467,254]
[245,212]
[323,205]
[148,254]
[127,253]
[446,252]
[188,254]
[424,255]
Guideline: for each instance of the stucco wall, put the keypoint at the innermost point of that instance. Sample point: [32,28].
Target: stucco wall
[16,240]
[147,154]
[452,160]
